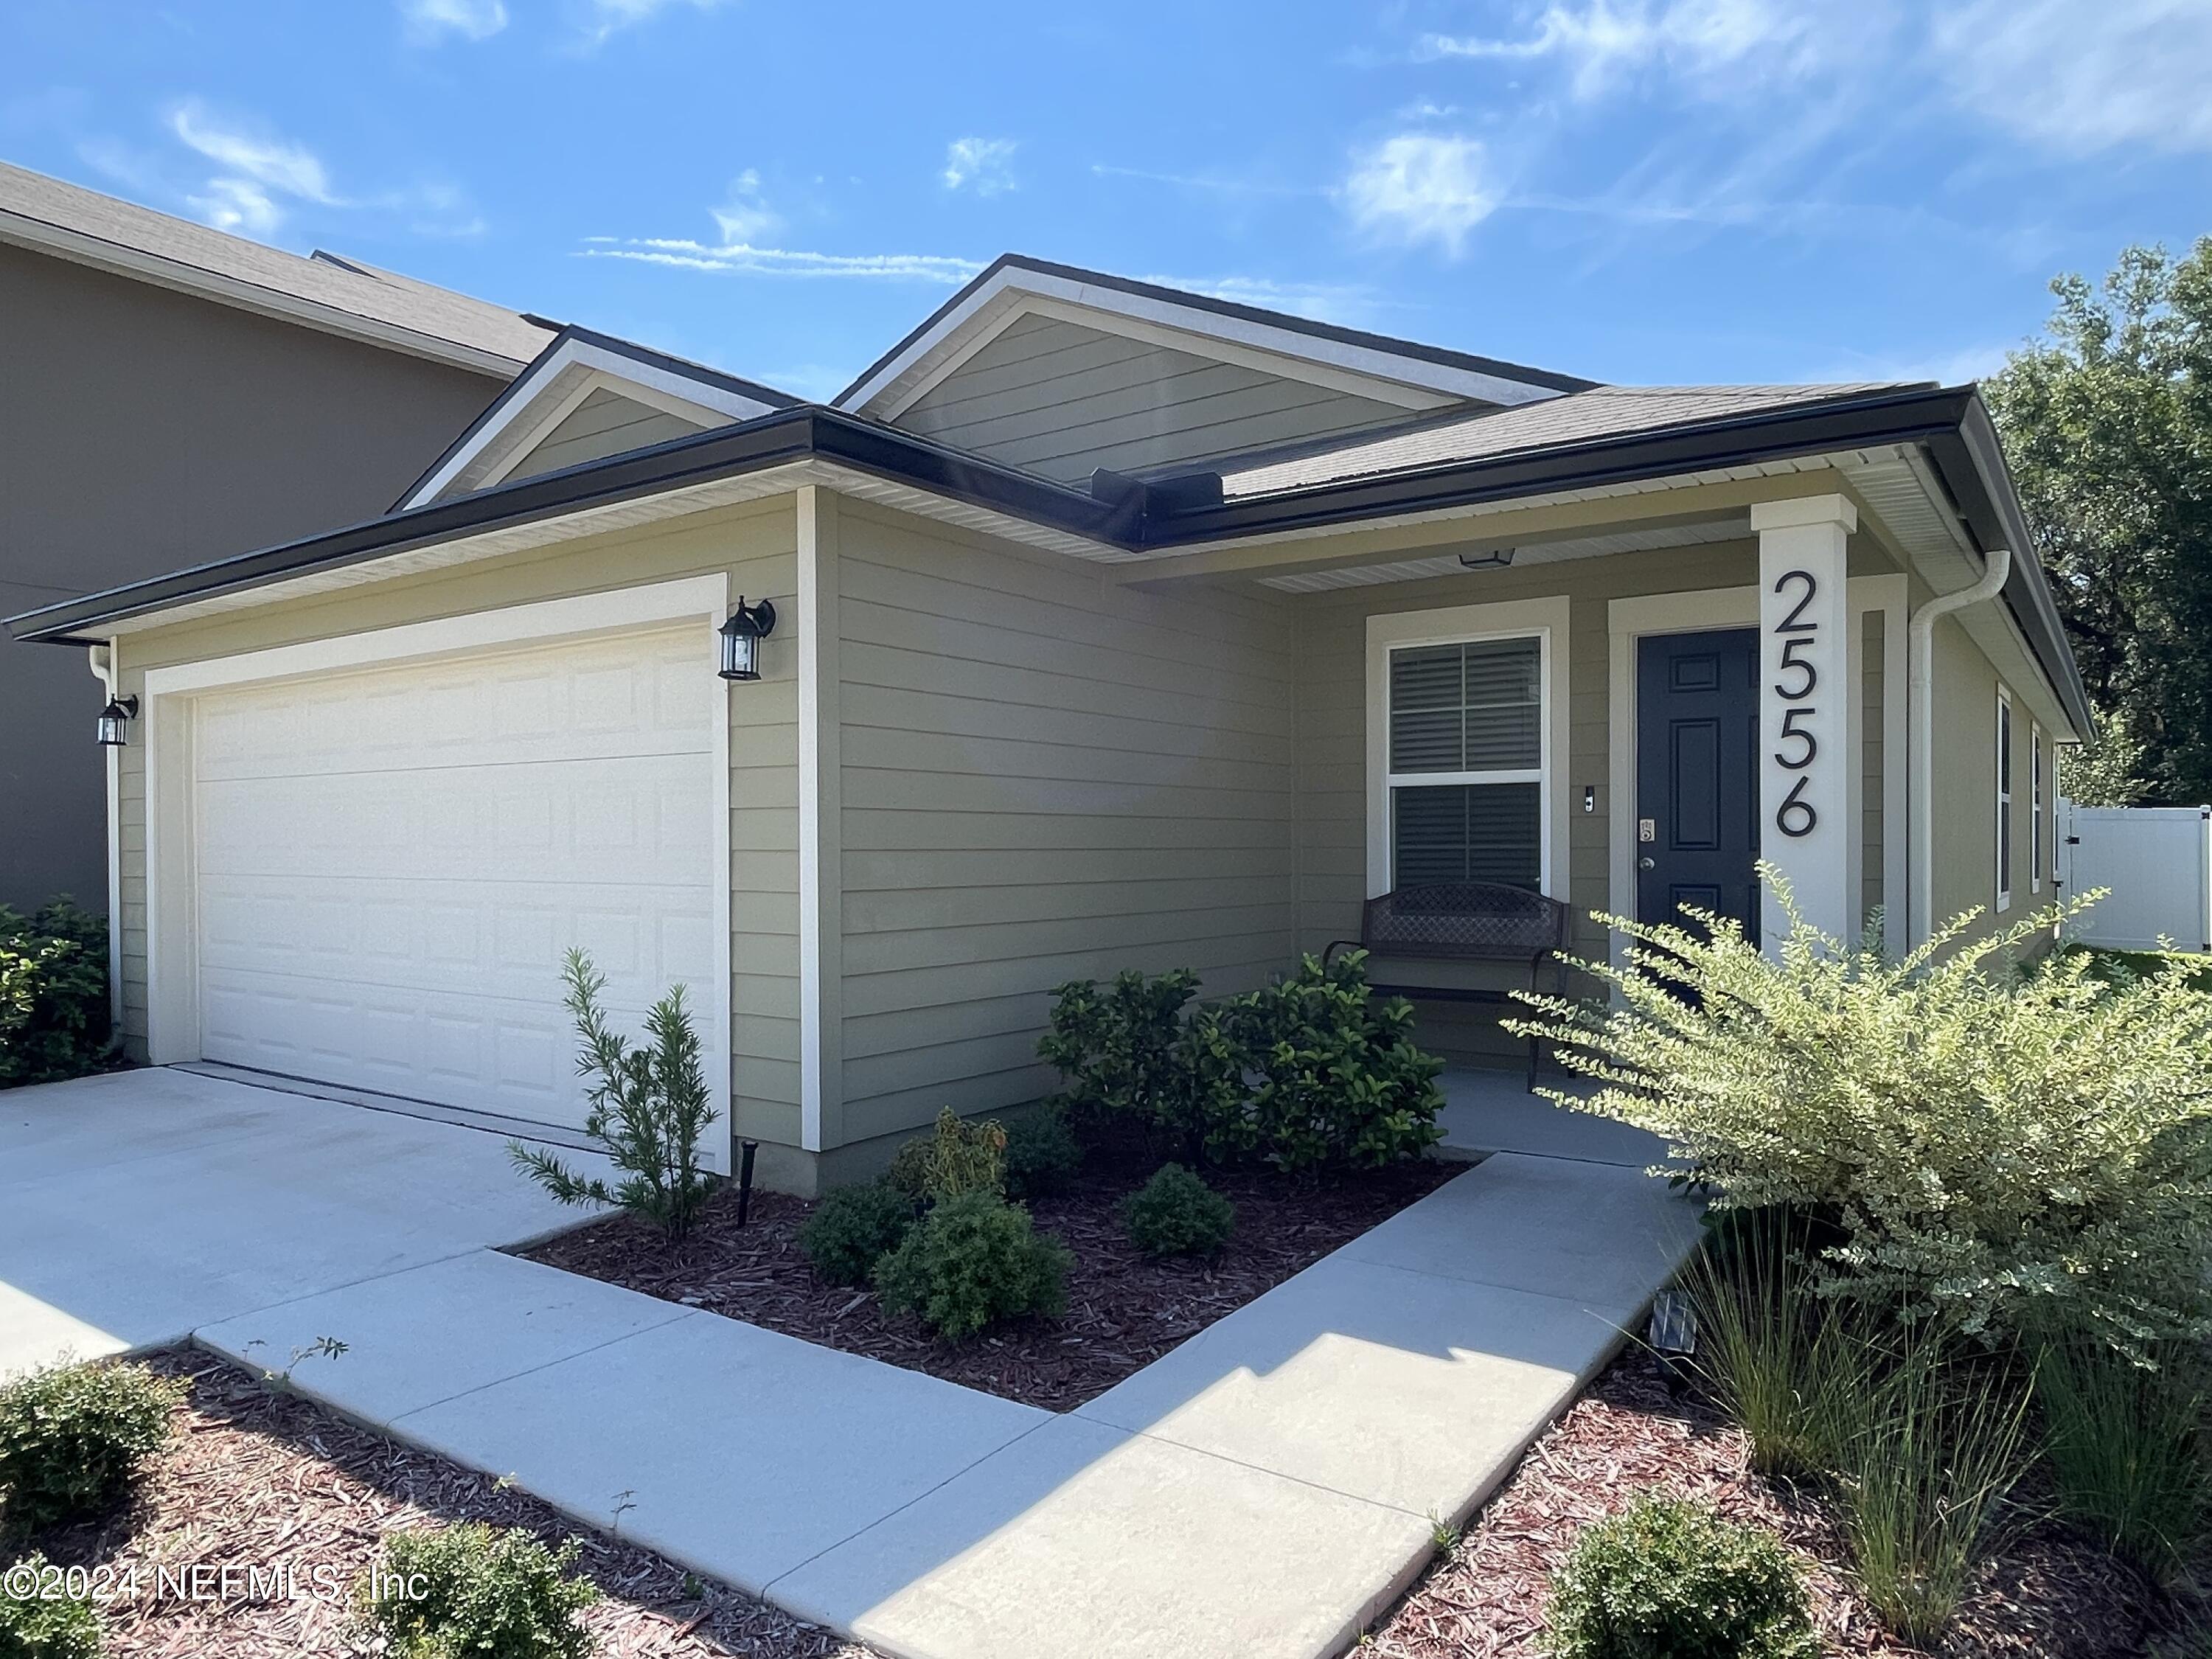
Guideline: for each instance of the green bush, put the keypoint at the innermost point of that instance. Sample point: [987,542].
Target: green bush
[1669,1579]
[1175,1213]
[647,1106]
[55,1020]
[2124,1443]
[852,1227]
[2025,1154]
[469,1591]
[956,1156]
[974,1261]
[39,1625]
[1042,1155]
[74,1440]
[1115,1049]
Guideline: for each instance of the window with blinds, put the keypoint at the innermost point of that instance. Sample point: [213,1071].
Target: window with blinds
[1465,761]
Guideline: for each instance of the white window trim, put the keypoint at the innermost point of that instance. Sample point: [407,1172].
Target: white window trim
[1546,620]
[2001,867]
[166,728]
[2036,838]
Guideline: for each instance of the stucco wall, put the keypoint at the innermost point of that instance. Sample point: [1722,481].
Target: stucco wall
[142,430]
[755,545]
[1045,776]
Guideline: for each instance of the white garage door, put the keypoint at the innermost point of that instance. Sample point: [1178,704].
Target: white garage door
[391,862]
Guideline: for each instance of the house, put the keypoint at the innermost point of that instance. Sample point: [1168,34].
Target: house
[1111,626]
[171,395]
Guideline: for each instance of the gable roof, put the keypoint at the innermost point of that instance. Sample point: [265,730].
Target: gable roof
[1351,359]
[575,364]
[324,291]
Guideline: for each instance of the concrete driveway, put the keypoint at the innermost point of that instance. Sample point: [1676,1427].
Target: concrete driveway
[138,1206]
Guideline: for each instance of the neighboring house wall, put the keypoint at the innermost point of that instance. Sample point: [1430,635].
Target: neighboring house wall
[1061,399]
[1045,776]
[605,423]
[142,430]
[1966,792]
[755,545]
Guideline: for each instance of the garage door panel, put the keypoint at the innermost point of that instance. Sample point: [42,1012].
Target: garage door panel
[393,863]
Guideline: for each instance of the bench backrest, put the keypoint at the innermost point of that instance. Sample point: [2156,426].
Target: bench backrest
[1470,920]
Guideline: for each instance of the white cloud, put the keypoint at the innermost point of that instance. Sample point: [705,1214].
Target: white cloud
[1419,188]
[745,216]
[984,164]
[237,205]
[288,169]
[1606,41]
[2083,75]
[432,21]
[609,17]
[682,253]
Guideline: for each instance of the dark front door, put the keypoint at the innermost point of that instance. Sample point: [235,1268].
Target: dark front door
[1697,775]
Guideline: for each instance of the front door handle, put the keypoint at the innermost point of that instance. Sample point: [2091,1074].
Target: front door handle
[1647,862]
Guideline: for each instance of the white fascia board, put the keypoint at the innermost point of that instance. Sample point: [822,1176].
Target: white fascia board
[1365,362]
[115,257]
[575,368]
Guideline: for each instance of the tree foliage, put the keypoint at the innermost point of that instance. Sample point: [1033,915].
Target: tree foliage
[2108,422]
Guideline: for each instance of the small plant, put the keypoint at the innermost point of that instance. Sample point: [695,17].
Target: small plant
[1042,1155]
[851,1229]
[1930,1453]
[956,1156]
[1670,1579]
[972,1261]
[469,1591]
[648,1108]
[44,1621]
[2124,1446]
[1175,1213]
[1777,1358]
[1115,1046]
[74,1440]
[55,1019]
[323,1347]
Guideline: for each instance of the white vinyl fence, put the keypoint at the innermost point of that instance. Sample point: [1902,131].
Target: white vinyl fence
[2158,862]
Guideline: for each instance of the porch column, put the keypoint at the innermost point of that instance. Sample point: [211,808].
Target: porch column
[1808,782]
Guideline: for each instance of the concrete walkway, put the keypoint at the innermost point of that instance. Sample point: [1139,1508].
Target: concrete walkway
[1490,1111]
[1260,1492]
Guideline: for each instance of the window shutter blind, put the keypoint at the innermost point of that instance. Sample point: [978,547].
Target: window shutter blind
[1467,832]
[1471,707]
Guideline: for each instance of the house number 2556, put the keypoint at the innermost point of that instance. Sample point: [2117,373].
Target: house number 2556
[1796,678]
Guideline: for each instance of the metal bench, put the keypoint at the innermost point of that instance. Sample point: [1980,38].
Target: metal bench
[1462,921]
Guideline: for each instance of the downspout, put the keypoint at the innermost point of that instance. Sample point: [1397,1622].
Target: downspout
[1920,919]
[103,666]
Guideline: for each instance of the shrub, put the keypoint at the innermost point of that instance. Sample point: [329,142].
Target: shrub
[74,1440]
[954,1157]
[1175,1213]
[2123,1443]
[469,1591]
[54,1016]
[40,1625]
[852,1227]
[1669,1579]
[1042,1154]
[1930,1452]
[2010,1153]
[1313,1073]
[973,1261]
[1114,1047]
[648,1107]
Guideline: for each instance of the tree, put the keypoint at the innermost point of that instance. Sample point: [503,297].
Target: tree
[2108,422]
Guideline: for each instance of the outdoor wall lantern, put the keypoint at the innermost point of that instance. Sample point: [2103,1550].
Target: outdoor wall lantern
[1496,559]
[748,624]
[115,720]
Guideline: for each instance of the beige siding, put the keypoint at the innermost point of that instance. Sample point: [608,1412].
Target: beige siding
[1061,399]
[1045,777]
[605,423]
[755,545]
[1965,767]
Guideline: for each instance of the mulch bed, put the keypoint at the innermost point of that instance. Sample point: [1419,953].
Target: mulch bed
[1124,1311]
[259,1478]
[2047,1594]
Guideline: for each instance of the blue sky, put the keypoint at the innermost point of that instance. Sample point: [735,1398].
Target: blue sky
[1634,190]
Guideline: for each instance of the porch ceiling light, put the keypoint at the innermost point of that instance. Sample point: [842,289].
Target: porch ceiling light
[115,721]
[748,624]
[1496,559]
